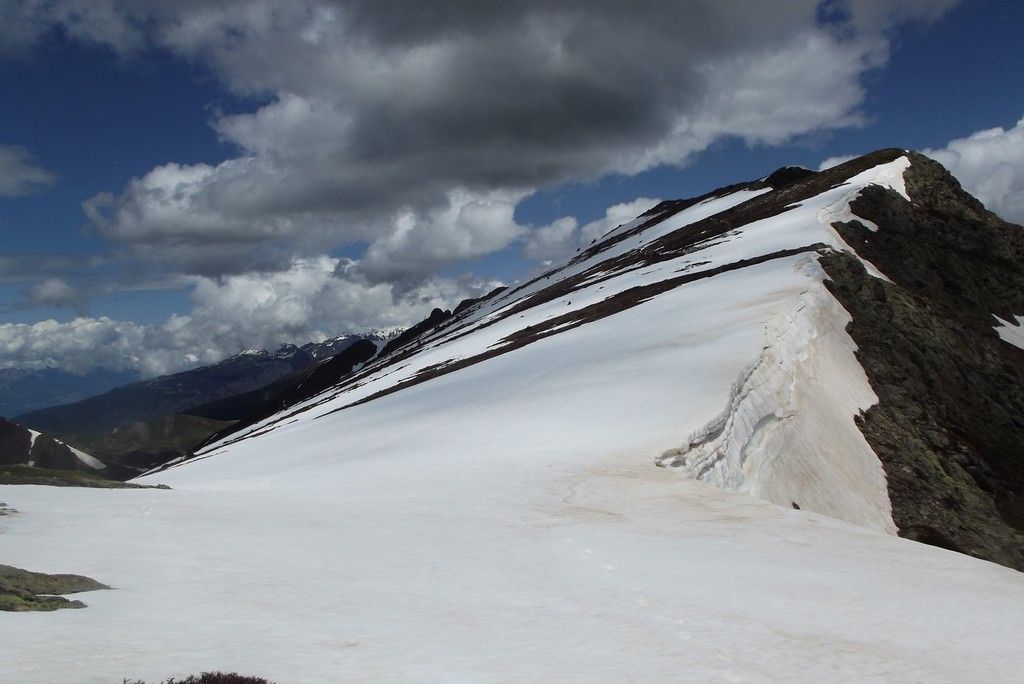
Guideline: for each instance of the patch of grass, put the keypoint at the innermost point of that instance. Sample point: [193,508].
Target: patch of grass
[26,475]
[137,447]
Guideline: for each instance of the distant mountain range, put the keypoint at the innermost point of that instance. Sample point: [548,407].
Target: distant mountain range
[24,390]
[140,425]
[147,399]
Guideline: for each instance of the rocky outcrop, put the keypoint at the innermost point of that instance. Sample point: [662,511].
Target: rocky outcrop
[22,446]
[465,304]
[949,423]
[436,318]
[21,590]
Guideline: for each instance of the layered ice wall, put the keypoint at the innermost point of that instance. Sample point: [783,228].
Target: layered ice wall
[788,433]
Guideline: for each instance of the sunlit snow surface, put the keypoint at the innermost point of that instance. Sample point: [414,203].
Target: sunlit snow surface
[506,521]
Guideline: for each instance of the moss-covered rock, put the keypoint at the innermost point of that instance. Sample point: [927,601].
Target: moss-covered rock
[22,475]
[21,590]
[16,600]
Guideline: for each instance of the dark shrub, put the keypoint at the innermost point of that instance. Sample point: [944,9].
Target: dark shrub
[210,678]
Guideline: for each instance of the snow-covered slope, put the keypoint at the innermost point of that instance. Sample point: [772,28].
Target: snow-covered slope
[485,502]
[695,357]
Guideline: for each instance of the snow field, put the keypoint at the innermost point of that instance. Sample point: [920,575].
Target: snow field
[506,521]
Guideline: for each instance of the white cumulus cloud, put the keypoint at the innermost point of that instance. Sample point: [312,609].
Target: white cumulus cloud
[554,241]
[310,300]
[562,237]
[990,165]
[379,118]
[835,161]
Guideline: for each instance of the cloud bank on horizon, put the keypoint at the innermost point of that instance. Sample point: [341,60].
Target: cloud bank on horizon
[414,131]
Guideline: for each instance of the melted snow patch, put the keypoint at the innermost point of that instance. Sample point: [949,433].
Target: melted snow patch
[86,458]
[787,433]
[1011,332]
[32,442]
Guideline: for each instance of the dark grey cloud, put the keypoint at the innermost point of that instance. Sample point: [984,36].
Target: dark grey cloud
[386,115]
[412,129]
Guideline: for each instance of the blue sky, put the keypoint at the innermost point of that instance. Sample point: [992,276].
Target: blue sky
[416,196]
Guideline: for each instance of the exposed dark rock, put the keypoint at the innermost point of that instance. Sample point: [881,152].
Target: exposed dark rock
[15,443]
[467,303]
[330,373]
[787,175]
[948,425]
[436,318]
[318,351]
[18,448]
[49,453]
[700,233]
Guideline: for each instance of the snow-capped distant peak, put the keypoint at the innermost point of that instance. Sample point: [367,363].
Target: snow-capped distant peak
[385,333]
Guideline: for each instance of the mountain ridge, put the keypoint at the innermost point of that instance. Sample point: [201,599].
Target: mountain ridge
[647,243]
[490,488]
